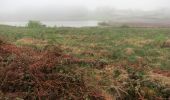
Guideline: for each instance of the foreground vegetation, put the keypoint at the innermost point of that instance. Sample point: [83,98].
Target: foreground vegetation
[98,62]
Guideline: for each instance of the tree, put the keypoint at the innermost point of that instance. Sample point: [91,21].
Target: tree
[35,24]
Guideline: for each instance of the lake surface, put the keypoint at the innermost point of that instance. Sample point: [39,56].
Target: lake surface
[58,23]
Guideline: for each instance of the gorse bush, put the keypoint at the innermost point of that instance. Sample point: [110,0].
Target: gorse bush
[35,24]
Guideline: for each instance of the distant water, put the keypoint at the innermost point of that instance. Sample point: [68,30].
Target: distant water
[58,23]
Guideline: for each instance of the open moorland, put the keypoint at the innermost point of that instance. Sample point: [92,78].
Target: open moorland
[88,63]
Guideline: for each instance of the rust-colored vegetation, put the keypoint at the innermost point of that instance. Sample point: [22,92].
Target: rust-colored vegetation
[31,74]
[102,63]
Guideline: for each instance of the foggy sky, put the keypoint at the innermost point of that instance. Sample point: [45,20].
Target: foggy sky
[72,9]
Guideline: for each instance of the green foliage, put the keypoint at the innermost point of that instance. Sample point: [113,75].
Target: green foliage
[132,58]
[111,39]
[35,24]
[117,54]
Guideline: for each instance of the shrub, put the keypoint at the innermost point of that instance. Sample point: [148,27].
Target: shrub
[35,24]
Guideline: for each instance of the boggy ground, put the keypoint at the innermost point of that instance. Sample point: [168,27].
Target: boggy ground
[84,63]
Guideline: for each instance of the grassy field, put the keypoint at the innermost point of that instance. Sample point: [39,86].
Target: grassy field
[110,44]
[130,63]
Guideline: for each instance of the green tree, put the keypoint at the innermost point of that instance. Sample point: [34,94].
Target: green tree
[35,24]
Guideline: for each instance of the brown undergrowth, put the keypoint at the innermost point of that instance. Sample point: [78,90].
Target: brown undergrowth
[30,74]
[50,74]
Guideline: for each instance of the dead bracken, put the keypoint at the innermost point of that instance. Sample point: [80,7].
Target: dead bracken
[50,74]
[31,74]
